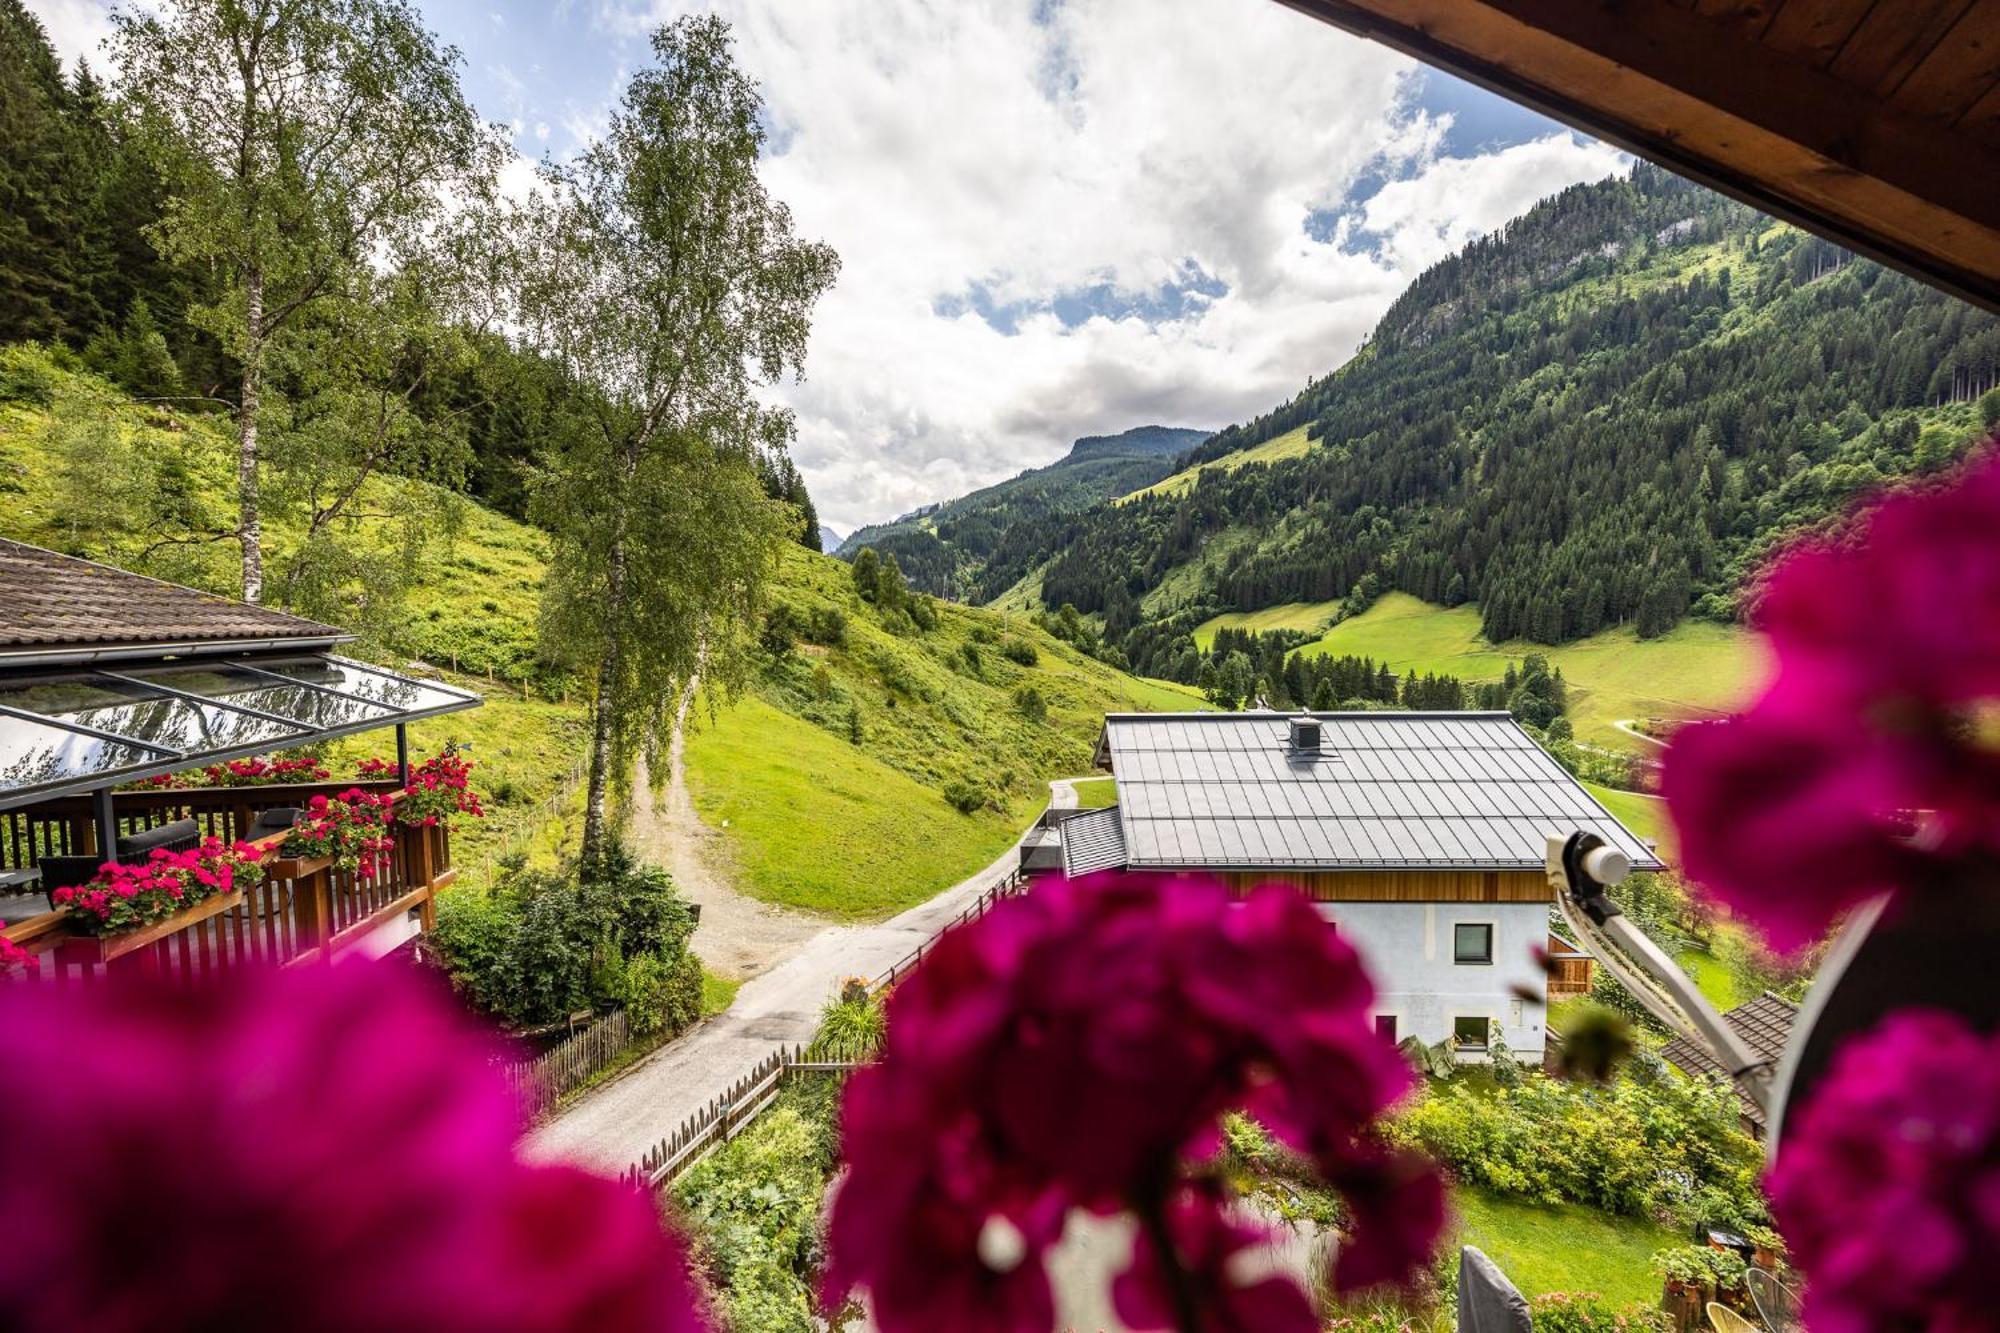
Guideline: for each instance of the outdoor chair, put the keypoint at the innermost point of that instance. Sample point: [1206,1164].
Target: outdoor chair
[66,872]
[1725,1320]
[1776,1303]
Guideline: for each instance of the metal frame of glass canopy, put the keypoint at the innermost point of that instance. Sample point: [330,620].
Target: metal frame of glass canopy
[92,728]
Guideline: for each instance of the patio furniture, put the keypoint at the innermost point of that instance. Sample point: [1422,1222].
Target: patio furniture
[1725,1320]
[275,820]
[1777,1304]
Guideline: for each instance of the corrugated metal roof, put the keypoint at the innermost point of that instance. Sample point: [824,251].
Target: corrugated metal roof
[1092,841]
[1465,791]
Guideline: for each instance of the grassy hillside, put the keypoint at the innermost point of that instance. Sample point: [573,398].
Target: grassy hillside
[1307,616]
[1697,669]
[1291,444]
[84,471]
[818,820]
[1644,815]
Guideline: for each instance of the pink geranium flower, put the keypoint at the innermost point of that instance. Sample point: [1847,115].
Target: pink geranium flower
[1075,1048]
[1888,1183]
[311,1149]
[1870,762]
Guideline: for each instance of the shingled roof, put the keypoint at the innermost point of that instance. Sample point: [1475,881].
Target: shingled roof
[52,603]
[1765,1024]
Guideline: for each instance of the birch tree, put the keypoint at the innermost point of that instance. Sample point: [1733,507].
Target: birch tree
[668,286]
[302,141]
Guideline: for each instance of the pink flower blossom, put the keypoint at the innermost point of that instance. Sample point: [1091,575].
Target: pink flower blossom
[1871,731]
[1888,1182]
[1074,1048]
[312,1149]
[1205,1241]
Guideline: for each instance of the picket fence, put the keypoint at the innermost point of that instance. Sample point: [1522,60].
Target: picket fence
[728,1114]
[541,1081]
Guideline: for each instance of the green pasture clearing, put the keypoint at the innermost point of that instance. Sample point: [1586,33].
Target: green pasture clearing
[717,993]
[1308,616]
[1644,815]
[1292,444]
[814,823]
[1564,1247]
[1696,670]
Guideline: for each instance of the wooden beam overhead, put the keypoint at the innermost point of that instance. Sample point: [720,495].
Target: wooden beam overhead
[1874,125]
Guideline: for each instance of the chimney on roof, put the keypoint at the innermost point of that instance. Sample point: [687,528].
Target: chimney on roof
[1304,734]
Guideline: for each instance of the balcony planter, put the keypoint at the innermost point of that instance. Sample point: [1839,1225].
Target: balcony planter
[93,949]
[295,867]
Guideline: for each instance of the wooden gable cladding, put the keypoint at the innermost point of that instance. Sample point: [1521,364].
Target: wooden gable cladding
[1875,123]
[1402,886]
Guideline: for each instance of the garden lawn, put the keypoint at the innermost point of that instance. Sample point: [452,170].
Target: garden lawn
[1096,793]
[1722,987]
[1566,1247]
[813,822]
[1698,669]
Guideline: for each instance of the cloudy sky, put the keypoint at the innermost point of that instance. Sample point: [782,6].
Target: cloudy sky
[1055,217]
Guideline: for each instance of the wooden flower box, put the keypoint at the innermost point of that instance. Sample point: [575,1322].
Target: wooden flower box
[89,950]
[294,867]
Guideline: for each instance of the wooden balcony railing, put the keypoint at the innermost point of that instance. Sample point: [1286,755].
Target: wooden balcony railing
[299,910]
[1569,968]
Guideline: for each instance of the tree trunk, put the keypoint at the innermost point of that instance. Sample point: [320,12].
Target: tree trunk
[596,805]
[250,525]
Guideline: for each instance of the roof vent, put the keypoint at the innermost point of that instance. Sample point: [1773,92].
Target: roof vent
[1304,734]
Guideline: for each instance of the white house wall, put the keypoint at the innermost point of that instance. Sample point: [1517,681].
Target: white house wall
[1408,950]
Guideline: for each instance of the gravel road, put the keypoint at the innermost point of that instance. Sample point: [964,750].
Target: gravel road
[612,1127]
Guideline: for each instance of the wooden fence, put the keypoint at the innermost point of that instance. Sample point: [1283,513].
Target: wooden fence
[741,1102]
[547,1077]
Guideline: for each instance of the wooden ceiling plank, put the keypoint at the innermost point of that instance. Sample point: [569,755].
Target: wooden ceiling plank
[1816,30]
[1962,68]
[1983,117]
[1752,16]
[1718,107]
[1893,40]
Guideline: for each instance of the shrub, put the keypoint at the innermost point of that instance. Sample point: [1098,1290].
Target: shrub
[754,1206]
[1671,1150]
[27,375]
[850,1027]
[1028,702]
[965,797]
[661,993]
[1020,652]
[780,632]
[969,654]
[1587,1312]
[544,945]
[826,626]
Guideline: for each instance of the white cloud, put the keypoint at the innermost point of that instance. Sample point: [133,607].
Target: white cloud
[77,29]
[943,144]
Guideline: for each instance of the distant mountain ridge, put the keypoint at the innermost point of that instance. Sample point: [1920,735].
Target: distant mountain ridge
[1605,413]
[944,548]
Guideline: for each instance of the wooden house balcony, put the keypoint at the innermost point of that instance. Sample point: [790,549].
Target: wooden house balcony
[287,911]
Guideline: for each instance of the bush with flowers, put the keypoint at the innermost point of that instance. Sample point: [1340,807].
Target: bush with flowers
[438,789]
[127,897]
[351,830]
[1870,765]
[252,772]
[1587,1312]
[16,961]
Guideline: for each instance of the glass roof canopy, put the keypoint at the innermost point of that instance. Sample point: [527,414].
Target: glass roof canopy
[86,728]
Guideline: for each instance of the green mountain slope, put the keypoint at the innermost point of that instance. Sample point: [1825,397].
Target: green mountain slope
[948,549]
[1605,414]
[811,816]
[819,819]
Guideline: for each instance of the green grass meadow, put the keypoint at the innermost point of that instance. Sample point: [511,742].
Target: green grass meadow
[813,822]
[1698,669]
[1292,444]
[1311,617]
[1564,1247]
[1096,793]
